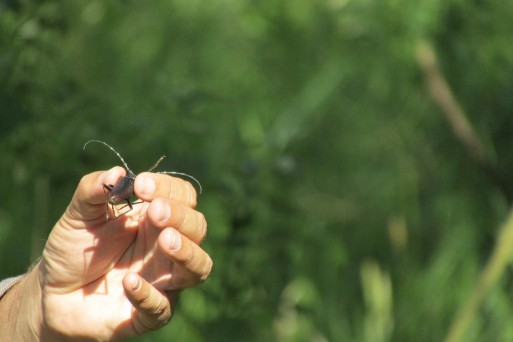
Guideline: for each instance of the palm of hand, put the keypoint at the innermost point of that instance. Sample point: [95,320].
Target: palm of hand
[86,263]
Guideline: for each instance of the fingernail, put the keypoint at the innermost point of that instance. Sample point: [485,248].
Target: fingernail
[148,186]
[165,212]
[137,286]
[176,240]
[105,175]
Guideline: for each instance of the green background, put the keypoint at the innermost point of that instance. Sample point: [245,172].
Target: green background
[341,206]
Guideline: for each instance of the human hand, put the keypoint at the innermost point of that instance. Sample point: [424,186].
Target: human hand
[104,280]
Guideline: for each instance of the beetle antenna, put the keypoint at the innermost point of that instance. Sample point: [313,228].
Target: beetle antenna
[175,173]
[113,150]
[156,164]
[184,175]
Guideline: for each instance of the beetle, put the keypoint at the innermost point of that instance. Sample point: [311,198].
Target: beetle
[124,189]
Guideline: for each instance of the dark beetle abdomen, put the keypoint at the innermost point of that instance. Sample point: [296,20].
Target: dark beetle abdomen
[122,190]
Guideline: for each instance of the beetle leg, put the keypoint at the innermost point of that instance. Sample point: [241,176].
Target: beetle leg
[108,188]
[130,204]
[118,214]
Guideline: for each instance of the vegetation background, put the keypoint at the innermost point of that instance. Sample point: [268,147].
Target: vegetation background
[345,200]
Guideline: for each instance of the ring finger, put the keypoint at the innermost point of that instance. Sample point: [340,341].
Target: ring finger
[164,213]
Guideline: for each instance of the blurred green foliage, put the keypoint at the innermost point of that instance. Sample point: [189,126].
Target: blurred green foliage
[340,206]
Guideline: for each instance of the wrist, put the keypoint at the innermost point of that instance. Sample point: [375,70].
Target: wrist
[7,284]
[21,309]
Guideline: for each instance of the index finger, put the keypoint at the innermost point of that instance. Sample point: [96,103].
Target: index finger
[149,186]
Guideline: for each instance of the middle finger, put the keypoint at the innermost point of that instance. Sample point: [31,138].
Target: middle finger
[164,213]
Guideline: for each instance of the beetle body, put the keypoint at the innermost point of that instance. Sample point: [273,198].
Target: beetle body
[122,191]
[114,195]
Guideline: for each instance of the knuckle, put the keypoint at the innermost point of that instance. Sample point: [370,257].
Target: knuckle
[189,260]
[203,226]
[84,180]
[180,216]
[191,194]
[158,311]
[162,311]
[207,269]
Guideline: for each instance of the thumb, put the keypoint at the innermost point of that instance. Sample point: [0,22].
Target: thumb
[88,202]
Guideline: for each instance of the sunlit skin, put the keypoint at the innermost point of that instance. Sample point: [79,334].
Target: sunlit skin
[107,279]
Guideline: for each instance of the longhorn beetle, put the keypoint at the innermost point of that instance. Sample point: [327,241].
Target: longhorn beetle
[124,189]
